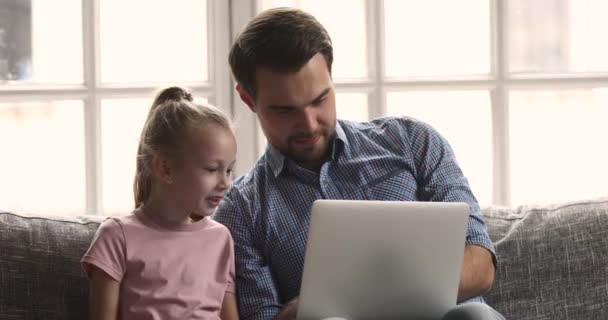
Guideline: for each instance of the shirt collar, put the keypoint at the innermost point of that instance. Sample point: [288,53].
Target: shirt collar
[276,160]
[340,136]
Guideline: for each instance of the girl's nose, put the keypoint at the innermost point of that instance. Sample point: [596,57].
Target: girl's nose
[225,181]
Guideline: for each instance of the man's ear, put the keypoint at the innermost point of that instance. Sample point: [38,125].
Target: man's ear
[245,97]
[161,168]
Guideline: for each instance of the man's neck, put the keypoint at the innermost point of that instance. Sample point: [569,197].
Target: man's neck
[315,166]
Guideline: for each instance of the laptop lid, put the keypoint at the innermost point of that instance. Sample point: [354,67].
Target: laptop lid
[382,259]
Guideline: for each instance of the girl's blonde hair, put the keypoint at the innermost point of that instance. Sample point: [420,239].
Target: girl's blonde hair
[172,116]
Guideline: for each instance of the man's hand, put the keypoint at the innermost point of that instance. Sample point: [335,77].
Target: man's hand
[289,311]
[477,275]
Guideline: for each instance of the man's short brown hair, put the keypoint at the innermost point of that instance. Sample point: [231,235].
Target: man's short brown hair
[280,39]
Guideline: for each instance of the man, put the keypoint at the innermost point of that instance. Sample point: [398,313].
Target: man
[282,64]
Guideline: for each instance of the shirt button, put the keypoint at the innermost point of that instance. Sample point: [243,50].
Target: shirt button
[325,182]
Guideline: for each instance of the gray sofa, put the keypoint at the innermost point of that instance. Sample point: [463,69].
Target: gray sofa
[553,263]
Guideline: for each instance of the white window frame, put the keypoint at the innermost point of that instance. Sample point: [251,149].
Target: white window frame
[499,83]
[217,88]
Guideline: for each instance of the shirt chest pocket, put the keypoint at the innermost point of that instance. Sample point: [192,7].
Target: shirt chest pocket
[398,185]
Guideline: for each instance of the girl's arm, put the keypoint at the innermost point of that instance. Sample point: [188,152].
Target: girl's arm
[229,309]
[103,296]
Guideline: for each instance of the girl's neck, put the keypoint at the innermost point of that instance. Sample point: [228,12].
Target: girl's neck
[166,211]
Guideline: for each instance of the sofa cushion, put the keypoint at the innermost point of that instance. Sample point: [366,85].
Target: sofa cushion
[40,275]
[553,261]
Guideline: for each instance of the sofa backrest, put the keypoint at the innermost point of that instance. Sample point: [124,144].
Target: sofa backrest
[40,275]
[553,261]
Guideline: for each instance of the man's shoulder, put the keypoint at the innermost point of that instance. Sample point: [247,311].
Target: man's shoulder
[382,125]
[255,175]
[385,132]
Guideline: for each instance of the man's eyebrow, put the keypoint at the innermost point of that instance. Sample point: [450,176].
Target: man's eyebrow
[321,95]
[277,106]
[316,99]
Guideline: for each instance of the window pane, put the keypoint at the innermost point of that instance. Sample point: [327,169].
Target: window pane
[121,123]
[352,106]
[41,41]
[348,33]
[144,41]
[464,119]
[437,38]
[43,157]
[558,145]
[558,35]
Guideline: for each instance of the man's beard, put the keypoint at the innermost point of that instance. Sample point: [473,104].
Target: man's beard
[320,151]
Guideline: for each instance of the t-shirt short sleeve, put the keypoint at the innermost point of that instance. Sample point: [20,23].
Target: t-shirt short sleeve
[107,251]
[231,282]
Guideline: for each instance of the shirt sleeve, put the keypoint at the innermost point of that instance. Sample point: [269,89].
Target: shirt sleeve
[107,251]
[441,179]
[256,291]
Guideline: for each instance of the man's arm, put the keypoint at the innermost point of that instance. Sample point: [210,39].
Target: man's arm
[441,179]
[256,292]
[477,275]
[289,311]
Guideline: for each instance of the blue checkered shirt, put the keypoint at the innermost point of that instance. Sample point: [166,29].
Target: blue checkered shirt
[268,210]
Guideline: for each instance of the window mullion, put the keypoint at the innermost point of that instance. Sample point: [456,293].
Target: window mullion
[500,103]
[241,11]
[218,33]
[92,114]
[375,57]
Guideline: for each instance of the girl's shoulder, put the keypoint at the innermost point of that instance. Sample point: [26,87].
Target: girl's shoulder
[215,226]
[121,219]
[217,230]
[119,223]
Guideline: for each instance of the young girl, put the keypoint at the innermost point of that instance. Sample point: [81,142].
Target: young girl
[168,259]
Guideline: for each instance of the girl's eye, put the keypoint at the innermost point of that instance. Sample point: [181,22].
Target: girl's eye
[211,170]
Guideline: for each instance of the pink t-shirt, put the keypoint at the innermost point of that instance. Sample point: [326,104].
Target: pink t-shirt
[166,271]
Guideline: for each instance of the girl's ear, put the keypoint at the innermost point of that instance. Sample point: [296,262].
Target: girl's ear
[161,168]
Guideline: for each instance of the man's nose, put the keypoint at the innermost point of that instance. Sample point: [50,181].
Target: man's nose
[308,121]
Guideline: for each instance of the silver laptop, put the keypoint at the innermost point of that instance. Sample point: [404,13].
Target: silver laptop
[382,259]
